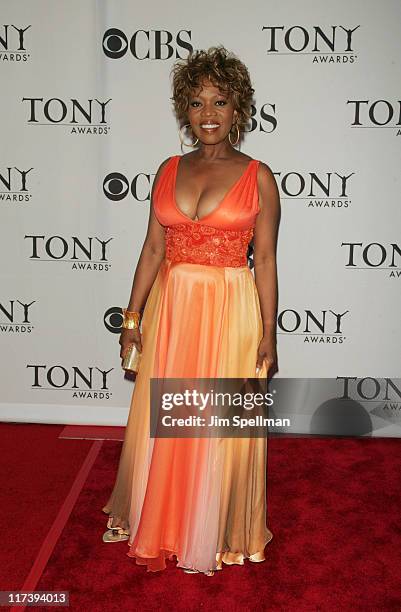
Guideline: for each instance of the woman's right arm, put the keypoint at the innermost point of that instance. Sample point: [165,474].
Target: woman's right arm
[152,254]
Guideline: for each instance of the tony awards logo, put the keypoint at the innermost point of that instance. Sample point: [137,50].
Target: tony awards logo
[16,316]
[373,256]
[89,116]
[314,327]
[88,254]
[13,43]
[331,44]
[90,382]
[320,190]
[14,185]
[379,114]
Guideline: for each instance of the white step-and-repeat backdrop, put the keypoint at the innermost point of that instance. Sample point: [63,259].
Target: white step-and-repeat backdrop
[86,118]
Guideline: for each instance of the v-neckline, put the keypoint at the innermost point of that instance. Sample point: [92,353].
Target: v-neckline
[218,205]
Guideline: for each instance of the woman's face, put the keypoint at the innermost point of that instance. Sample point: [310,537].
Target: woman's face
[211,113]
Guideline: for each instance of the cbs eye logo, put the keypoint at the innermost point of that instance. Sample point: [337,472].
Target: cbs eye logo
[116,186]
[113,319]
[146,44]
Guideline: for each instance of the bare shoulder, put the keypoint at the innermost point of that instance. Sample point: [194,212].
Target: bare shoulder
[242,159]
[269,197]
[265,175]
[160,170]
[163,164]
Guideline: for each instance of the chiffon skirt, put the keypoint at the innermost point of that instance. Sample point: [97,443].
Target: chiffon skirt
[202,500]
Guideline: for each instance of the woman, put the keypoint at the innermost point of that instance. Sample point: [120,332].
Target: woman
[201,500]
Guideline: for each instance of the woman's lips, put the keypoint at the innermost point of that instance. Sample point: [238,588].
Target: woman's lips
[213,127]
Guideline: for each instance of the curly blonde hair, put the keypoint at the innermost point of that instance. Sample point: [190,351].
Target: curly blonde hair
[223,69]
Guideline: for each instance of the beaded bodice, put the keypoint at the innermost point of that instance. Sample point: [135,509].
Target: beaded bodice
[220,238]
[204,244]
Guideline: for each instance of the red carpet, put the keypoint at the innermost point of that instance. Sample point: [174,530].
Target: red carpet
[36,472]
[334,509]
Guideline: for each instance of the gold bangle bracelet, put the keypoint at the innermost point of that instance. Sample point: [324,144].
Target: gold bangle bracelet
[131,319]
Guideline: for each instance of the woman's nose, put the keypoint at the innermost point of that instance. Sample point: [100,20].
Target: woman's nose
[208,111]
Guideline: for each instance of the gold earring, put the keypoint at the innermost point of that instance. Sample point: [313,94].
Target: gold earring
[180,133]
[229,135]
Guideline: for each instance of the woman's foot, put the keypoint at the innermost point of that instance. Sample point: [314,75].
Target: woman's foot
[115,535]
[194,571]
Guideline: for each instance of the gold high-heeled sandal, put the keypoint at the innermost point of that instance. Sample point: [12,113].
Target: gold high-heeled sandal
[194,571]
[115,535]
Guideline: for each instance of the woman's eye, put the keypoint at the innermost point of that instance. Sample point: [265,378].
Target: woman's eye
[222,102]
[193,103]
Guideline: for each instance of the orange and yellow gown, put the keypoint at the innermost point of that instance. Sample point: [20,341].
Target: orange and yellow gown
[202,500]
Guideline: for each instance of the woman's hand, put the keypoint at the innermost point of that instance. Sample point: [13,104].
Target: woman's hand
[267,352]
[128,337]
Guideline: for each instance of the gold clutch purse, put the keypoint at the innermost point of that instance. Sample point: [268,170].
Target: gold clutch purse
[132,359]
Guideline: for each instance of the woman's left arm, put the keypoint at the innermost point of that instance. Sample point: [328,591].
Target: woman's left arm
[265,266]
